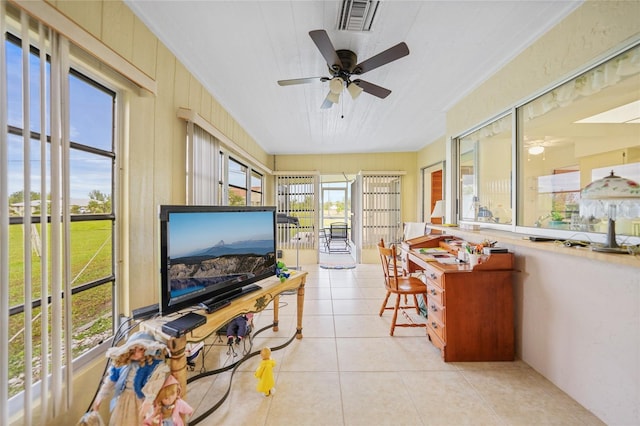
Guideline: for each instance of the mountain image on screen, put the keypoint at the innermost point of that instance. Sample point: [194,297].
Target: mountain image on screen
[221,249]
[222,262]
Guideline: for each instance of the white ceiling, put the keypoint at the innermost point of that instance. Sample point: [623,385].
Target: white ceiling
[240,49]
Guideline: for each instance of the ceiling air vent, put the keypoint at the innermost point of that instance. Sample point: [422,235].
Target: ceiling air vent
[357,15]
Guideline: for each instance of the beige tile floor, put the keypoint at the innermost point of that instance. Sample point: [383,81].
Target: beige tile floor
[347,370]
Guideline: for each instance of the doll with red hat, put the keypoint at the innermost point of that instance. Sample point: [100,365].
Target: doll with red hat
[169,409]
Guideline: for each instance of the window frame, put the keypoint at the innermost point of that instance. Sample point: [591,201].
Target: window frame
[518,158]
[77,69]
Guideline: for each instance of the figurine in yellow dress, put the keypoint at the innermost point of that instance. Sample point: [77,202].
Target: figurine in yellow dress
[264,373]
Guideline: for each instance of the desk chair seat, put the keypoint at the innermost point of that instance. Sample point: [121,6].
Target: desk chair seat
[399,285]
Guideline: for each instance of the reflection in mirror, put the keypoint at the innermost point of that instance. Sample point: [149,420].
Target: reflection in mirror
[575,134]
[485,173]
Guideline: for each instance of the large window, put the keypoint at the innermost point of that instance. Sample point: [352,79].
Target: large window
[214,175]
[297,199]
[381,210]
[578,132]
[60,187]
[237,181]
[257,181]
[485,169]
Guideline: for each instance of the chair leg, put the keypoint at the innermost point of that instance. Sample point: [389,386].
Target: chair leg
[415,301]
[384,303]
[395,314]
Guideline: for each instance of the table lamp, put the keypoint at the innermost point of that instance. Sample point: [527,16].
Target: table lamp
[612,197]
[438,211]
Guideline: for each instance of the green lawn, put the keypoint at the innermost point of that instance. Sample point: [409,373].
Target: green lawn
[91,258]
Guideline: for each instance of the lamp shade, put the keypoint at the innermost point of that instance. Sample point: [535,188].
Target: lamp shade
[438,209]
[611,187]
[354,90]
[333,97]
[336,85]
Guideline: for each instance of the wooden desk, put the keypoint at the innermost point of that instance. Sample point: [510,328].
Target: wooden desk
[470,310]
[252,302]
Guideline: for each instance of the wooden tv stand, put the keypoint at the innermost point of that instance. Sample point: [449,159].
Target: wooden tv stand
[470,310]
[252,302]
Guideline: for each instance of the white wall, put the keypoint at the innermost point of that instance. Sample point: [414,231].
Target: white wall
[577,319]
[578,324]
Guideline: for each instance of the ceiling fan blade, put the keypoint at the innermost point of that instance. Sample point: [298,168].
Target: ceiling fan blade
[332,98]
[373,89]
[327,103]
[391,54]
[324,45]
[307,80]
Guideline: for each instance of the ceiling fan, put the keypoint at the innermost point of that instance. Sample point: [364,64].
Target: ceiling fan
[343,64]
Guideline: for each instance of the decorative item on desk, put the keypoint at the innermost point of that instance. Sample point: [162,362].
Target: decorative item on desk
[282,271]
[474,249]
[612,197]
[474,259]
[475,254]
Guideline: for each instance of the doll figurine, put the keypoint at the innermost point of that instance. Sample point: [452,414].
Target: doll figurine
[282,272]
[264,373]
[238,328]
[137,372]
[168,408]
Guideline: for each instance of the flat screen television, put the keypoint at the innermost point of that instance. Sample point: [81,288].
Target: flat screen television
[208,252]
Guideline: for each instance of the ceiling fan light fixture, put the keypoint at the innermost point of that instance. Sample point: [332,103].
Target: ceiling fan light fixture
[333,97]
[335,85]
[536,150]
[354,90]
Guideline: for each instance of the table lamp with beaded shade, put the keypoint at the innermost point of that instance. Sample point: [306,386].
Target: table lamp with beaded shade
[612,197]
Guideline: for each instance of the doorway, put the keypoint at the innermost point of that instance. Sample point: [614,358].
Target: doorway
[335,208]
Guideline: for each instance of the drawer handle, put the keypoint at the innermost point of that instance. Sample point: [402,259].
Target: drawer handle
[434,325]
[433,292]
[433,276]
[433,308]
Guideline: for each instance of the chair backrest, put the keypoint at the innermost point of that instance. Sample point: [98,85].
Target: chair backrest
[413,230]
[389,267]
[338,231]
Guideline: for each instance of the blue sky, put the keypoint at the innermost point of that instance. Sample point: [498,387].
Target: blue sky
[191,231]
[91,120]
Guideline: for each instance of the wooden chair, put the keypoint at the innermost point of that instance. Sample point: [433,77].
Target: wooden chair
[400,286]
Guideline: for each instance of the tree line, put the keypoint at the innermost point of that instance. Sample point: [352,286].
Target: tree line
[99,202]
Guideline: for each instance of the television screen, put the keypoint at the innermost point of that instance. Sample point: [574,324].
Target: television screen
[213,251]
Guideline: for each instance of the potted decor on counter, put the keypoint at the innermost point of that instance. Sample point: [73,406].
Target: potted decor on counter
[557,220]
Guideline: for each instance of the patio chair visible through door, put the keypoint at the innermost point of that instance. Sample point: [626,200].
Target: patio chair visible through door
[339,238]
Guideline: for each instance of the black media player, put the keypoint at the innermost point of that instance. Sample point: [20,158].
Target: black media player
[184,324]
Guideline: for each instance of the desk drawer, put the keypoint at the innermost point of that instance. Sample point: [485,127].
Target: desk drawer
[436,327]
[435,293]
[435,276]
[436,340]
[435,311]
